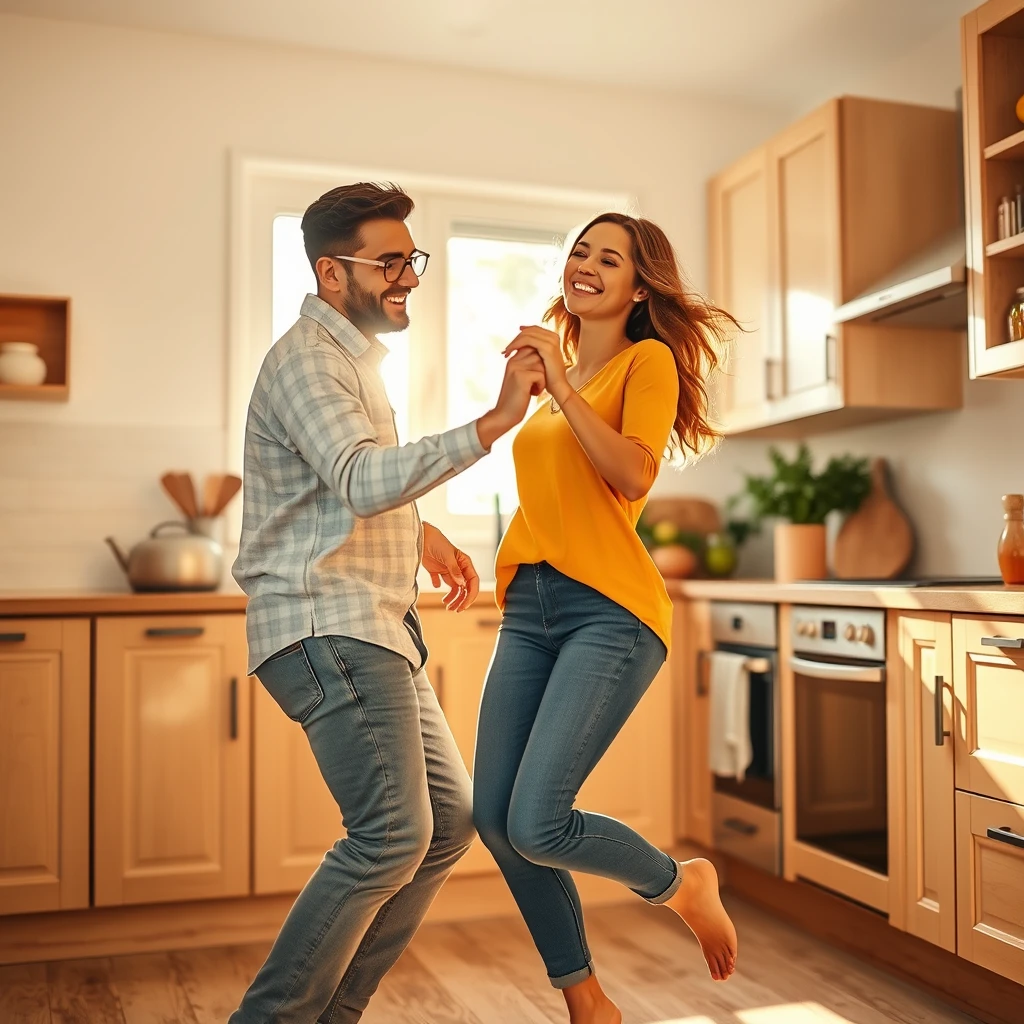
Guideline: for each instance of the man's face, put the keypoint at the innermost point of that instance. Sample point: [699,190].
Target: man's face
[359,292]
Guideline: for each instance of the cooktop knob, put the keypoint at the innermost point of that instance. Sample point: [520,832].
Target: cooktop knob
[812,629]
[865,634]
[850,633]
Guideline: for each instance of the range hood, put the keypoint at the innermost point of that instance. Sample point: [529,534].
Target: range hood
[929,291]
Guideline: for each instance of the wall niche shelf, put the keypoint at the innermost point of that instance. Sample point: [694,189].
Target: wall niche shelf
[42,321]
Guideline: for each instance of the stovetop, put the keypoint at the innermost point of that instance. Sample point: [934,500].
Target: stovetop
[918,581]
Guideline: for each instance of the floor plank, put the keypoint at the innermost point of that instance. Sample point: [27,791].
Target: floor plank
[214,980]
[150,991]
[488,972]
[23,994]
[81,993]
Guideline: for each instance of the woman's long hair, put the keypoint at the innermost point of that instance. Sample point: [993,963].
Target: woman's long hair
[693,329]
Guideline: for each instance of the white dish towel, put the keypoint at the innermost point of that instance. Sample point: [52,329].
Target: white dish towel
[729,750]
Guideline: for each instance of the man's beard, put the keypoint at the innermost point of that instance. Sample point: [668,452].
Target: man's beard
[366,311]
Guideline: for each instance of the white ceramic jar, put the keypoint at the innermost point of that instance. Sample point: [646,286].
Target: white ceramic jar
[20,363]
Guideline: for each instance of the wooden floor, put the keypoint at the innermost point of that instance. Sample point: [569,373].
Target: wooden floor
[487,972]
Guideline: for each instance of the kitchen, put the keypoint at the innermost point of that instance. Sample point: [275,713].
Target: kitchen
[154,169]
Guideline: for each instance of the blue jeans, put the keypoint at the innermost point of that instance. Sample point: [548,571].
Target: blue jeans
[390,761]
[569,668]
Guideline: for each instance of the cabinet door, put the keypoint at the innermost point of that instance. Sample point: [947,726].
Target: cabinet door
[44,765]
[990,884]
[691,644]
[805,188]
[172,759]
[988,670]
[924,667]
[740,282]
[295,818]
[460,652]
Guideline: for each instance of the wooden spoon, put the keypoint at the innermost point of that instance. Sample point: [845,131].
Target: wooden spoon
[178,489]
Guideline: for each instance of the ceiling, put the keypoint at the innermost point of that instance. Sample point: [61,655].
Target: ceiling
[768,52]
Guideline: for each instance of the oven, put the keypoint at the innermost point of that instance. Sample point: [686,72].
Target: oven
[835,718]
[746,815]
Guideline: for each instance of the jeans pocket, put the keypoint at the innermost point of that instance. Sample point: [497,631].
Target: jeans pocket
[290,680]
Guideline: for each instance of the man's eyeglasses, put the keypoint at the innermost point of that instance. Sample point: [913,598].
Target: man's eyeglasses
[394,268]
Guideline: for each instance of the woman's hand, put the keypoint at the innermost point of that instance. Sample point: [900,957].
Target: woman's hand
[446,563]
[548,346]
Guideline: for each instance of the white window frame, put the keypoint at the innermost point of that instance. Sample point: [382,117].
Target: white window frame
[262,189]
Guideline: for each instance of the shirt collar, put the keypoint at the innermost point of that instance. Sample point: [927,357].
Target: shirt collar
[341,329]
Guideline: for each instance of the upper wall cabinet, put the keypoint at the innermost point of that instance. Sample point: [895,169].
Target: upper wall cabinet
[993,66]
[811,220]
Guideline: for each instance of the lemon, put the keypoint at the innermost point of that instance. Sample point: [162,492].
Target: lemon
[664,532]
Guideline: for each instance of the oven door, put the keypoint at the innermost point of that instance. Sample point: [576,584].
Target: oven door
[840,826]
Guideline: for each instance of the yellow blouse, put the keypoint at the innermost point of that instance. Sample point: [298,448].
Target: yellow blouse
[569,515]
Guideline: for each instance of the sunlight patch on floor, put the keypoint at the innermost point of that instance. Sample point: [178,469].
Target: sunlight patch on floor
[792,1013]
[784,1013]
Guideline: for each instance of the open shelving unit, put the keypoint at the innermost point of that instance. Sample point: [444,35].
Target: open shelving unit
[993,72]
[42,321]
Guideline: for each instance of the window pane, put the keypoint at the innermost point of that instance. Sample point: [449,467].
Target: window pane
[494,286]
[293,279]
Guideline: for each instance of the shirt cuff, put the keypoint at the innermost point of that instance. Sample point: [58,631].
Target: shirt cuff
[462,446]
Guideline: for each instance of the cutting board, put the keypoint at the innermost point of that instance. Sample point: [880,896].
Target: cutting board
[876,541]
[691,515]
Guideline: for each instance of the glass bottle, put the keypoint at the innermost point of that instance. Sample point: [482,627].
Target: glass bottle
[1015,318]
[1011,542]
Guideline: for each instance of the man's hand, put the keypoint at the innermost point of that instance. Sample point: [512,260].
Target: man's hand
[524,378]
[447,564]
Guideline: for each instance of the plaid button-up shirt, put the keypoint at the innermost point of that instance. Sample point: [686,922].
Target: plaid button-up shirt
[331,538]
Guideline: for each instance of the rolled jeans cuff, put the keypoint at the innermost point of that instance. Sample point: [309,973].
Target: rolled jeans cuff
[567,980]
[671,890]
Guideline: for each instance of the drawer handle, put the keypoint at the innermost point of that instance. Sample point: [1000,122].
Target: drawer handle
[702,685]
[176,631]
[1006,835]
[233,709]
[488,623]
[940,733]
[13,638]
[745,828]
[1003,641]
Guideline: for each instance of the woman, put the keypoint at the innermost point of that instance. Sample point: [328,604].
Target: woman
[586,616]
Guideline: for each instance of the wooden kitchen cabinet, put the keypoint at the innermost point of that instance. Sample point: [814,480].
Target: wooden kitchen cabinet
[690,665]
[172,758]
[988,674]
[993,80]
[990,890]
[922,837]
[814,218]
[44,765]
[739,224]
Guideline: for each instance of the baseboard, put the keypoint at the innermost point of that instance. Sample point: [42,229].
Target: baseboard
[869,936]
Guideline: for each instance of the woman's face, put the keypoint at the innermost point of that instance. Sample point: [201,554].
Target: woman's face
[599,281]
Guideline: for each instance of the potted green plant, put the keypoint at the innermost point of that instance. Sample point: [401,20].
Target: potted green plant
[800,499]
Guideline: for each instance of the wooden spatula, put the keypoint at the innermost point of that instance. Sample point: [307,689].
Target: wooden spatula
[211,491]
[229,486]
[179,489]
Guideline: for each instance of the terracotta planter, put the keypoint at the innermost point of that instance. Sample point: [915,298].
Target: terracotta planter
[800,552]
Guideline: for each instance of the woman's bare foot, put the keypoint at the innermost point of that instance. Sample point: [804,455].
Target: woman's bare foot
[698,903]
[588,1004]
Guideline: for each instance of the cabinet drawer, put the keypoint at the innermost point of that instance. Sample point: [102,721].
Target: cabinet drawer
[990,884]
[988,677]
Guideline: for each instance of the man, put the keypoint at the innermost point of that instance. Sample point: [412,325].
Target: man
[330,548]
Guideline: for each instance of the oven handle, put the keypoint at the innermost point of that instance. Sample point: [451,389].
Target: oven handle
[830,670]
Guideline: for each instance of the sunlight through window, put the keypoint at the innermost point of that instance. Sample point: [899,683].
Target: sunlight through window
[791,1013]
[495,286]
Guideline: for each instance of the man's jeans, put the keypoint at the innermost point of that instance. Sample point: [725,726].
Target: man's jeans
[389,759]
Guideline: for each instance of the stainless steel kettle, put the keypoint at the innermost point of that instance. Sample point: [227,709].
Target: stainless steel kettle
[184,561]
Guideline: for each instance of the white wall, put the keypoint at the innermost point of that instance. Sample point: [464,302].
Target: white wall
[114,191]
[948,469]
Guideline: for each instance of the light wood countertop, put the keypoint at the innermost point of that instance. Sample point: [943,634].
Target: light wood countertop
[972,600]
